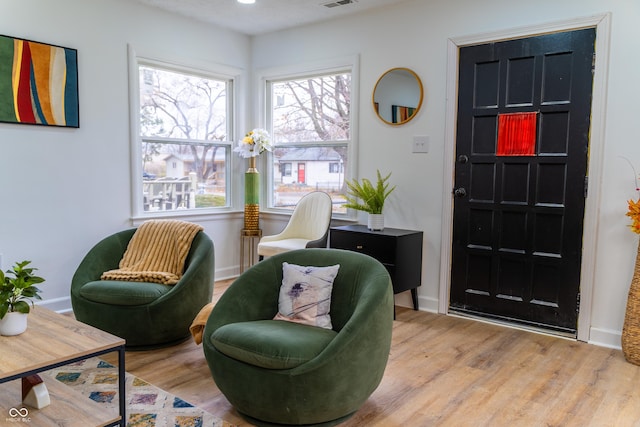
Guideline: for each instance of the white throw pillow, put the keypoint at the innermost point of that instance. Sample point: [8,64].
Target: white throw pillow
[305,294]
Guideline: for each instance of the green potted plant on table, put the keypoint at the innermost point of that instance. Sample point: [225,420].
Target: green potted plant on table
[370,198]
[17,292]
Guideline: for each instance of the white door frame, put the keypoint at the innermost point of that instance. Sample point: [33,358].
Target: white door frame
[602,23]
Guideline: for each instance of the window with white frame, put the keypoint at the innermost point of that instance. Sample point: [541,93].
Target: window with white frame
[185,138]
[310,120]
[335,167]
[285,169]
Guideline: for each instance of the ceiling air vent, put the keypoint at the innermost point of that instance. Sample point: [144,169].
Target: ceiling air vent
[338,3]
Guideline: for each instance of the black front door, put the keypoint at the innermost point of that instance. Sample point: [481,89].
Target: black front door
[522,144]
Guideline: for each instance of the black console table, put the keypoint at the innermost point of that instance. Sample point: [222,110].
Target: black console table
[400,251]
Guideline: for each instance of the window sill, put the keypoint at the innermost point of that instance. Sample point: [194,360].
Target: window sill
[275,213]
[208,215]
[223,215]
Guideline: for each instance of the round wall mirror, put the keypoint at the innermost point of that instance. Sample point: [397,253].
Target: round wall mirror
[397,96]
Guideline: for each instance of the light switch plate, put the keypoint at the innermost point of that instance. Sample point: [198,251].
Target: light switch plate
[420,144]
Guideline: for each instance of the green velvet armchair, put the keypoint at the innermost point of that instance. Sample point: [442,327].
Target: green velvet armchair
[146,315]
[282,373]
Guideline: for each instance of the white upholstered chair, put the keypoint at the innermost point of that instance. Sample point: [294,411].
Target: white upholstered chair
[308,227]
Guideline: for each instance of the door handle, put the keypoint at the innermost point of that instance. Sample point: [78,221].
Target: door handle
[460,192]
[463,159]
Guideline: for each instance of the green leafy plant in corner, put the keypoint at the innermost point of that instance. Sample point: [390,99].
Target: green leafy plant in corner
[364,196]
[17,288]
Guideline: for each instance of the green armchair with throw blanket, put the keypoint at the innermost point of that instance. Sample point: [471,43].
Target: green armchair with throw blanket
[145,314]
[281,372]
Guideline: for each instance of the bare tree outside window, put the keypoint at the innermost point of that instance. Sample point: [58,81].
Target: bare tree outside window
[185,139]
[311,121]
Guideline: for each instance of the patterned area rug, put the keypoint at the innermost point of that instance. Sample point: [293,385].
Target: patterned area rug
[147,405]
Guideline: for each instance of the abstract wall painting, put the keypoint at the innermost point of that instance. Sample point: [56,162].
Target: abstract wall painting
[38,83]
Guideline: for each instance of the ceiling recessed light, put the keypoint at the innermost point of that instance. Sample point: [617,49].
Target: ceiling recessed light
[247,1]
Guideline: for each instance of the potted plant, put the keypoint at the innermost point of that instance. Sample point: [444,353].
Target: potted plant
[370,198]
[17,291]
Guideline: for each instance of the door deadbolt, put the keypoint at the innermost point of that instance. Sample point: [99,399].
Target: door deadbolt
[460,192]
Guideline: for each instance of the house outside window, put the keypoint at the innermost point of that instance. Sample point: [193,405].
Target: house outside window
[335,167]
[184,139]
[285,169]
[310,120]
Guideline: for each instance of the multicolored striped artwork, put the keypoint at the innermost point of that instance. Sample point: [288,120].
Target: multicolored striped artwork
[38,83]
[400,114]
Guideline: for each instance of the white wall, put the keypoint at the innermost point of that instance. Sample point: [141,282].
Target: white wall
[62,190]
[415,35]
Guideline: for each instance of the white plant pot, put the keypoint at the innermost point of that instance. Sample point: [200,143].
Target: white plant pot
[375,222]
[13,323]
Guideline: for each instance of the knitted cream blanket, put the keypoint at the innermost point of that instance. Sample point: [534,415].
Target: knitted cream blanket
[156,252]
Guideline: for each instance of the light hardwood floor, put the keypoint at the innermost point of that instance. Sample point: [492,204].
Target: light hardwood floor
[449,371]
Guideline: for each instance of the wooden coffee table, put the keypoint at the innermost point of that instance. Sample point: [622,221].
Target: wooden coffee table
[54,340]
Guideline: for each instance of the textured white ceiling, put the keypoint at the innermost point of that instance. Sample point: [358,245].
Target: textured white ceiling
[265,15]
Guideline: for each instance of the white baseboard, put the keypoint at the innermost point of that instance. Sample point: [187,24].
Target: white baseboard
[601,337]
[428,304]
[60,305]
[227,273]
[424,303]
[605,338]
